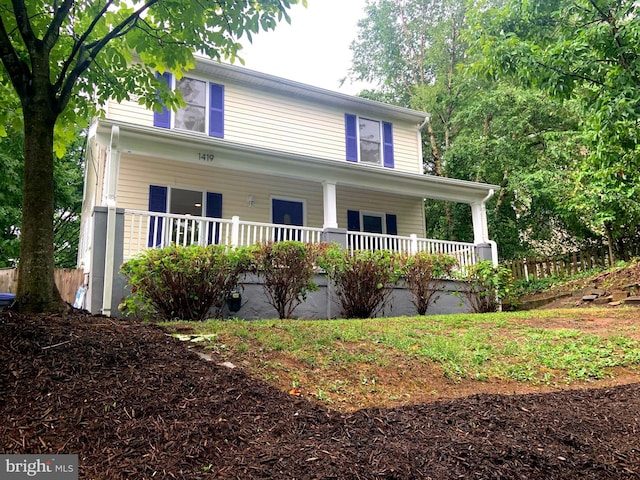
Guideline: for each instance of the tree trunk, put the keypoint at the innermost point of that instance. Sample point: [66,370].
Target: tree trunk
[37,291]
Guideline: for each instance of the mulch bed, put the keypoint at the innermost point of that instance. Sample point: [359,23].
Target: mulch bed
[134,403]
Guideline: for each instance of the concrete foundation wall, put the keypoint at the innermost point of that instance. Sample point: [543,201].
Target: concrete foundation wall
[324,303]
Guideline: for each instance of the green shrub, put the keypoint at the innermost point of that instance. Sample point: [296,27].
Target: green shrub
[183,283]
[363,280]
[485,285]
[424,275]
[287,269]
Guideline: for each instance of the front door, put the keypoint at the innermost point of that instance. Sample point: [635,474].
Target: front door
[287,212]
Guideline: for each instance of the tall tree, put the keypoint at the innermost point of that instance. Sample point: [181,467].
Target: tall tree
[529,144]
[59,54]
[480,129]
[588,50]
[412,49]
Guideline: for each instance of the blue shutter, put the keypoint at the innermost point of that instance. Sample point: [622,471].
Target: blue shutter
[351,136]
[163,118]
[353,220]
[214,210]
[216,110]
[387,140]
[157,203]
[353,225]
[392,224]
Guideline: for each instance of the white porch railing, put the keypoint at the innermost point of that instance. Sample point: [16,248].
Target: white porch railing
[143,230]
[465,253]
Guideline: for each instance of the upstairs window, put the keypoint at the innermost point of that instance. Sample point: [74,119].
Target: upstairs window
[204,109]
[369,141]
[192,117]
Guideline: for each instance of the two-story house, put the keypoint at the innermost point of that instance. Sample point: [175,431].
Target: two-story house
[252,157]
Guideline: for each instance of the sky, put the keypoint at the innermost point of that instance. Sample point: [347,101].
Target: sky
[314,49]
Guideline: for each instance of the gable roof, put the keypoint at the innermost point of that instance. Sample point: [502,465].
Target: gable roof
[264,81]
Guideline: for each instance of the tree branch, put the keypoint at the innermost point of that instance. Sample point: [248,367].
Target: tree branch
[23,23]
[18,71]
[77,45]
[53,32]
[82,64]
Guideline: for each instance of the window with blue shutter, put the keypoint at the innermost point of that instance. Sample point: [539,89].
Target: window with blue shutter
[192,116]
[216,110]
[157,203]
[163,119]
[372,222]
[368,141]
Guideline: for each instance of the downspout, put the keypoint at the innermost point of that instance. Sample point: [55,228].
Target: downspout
[110,244]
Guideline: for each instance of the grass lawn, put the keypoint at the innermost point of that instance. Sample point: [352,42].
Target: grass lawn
[352,364]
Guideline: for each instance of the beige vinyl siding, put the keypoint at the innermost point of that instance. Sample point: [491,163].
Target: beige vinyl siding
[305,128]
[406,148]
[137,173]
[129,111]
[409,210]
[287,124]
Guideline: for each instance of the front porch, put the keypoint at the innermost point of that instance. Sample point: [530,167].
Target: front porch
[119,234]
[145,230]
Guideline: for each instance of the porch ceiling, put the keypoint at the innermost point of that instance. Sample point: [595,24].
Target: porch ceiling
[186,147]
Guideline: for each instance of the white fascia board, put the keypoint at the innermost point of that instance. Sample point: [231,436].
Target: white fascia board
[199,149]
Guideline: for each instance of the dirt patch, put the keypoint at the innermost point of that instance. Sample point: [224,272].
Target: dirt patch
[133,402]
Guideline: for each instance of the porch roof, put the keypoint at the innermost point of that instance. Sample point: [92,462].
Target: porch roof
[186,147]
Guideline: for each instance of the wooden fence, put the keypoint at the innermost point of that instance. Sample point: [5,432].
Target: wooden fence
[67,280]
[560,266]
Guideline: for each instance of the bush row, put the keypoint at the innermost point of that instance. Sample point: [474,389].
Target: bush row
[195,282]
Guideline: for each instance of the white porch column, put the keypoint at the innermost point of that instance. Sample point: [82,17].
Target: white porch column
[111,188]
[479,218]
[329,203]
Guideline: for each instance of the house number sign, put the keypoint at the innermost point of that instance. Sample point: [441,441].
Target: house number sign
[206,157]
